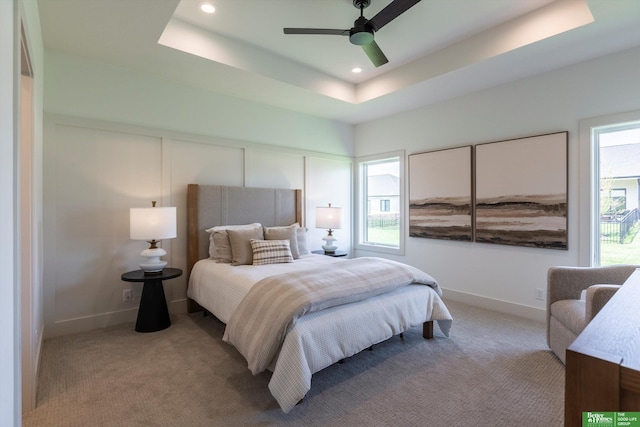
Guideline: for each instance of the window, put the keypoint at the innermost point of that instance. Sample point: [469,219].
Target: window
[615,193]
[613,201]
[380,201]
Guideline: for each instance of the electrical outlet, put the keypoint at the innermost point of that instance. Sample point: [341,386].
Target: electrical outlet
[540,294]
[126,295]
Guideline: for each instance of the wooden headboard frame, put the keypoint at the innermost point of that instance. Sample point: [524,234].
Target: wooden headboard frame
[211,205]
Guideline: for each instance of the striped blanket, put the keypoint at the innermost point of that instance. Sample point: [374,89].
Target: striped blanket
[258,326]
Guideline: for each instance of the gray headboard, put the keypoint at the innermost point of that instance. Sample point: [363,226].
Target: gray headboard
[210,205]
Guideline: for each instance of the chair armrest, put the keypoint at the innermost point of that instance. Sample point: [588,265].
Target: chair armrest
[569,282]
[597,297]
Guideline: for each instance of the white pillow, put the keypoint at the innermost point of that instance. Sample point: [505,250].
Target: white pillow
[219,246]
[303,241]
[233,227]
[271,252]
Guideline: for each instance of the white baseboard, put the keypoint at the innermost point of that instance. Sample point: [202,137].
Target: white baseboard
[39,351]
[37,363]
[103,320]
[30,379]
[532,313]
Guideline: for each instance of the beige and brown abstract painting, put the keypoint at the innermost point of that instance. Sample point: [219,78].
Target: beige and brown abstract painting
[440,194]
[521,192]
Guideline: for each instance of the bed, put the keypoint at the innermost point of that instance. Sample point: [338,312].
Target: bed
[315,334]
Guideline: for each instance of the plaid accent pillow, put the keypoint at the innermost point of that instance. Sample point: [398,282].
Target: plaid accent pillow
[271,251]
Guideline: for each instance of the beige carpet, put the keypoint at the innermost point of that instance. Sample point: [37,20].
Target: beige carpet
[494,370]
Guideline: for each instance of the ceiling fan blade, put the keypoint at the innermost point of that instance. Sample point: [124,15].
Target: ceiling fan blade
[316,31]
[391,12]
[375,54]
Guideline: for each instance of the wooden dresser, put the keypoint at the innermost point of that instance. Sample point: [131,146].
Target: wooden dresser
[603,363]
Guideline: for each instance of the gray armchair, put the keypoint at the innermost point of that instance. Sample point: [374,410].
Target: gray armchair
[569,310]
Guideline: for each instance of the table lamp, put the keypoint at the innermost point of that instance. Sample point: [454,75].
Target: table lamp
[152,224]
[330,218]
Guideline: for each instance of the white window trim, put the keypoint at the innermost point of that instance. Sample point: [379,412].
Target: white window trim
[361,203]
[589,178]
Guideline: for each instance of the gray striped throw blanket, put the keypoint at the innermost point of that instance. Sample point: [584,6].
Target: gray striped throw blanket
[258,326]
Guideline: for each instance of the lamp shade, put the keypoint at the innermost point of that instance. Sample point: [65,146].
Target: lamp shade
[328,217]
[152,223]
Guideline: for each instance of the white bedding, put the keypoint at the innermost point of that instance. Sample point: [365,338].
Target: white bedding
[219,287]
[322,338]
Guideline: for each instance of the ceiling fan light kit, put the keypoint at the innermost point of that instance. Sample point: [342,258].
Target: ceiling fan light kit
[362,32]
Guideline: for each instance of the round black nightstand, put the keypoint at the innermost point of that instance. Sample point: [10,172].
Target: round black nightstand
[153,314]
[335,254]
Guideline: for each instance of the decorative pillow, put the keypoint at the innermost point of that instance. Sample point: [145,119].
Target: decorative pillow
[222,246]
[240,240]
[212,247]
[219,246]
[271,252]
[284,233]
[303,241]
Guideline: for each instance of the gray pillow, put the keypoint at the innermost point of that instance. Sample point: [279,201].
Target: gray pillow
[240,240]
[219,246]
[284,233]
[212,247]
[222,246]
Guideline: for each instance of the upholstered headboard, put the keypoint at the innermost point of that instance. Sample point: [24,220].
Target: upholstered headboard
[211,205]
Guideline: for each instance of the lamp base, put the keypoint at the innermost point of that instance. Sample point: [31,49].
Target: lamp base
[329,247]
[153,273]
[153,264]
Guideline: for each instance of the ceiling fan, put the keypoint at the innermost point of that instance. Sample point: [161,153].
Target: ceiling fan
[362,32]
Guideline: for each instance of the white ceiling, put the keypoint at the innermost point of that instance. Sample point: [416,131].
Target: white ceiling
[437,50]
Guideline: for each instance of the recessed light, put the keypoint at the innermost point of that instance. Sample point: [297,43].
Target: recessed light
[356,70]
[207,7]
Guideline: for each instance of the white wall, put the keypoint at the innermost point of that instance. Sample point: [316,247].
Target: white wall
[31,192]
[631,187]
[506,277]
[12,13]
[81,87]
[116,148]
[9,306]
[214,128]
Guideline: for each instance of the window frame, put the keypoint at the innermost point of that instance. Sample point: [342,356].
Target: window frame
[362,202]
[589,187]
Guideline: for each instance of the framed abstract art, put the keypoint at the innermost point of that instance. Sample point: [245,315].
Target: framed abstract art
[440,194]
[521,191]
